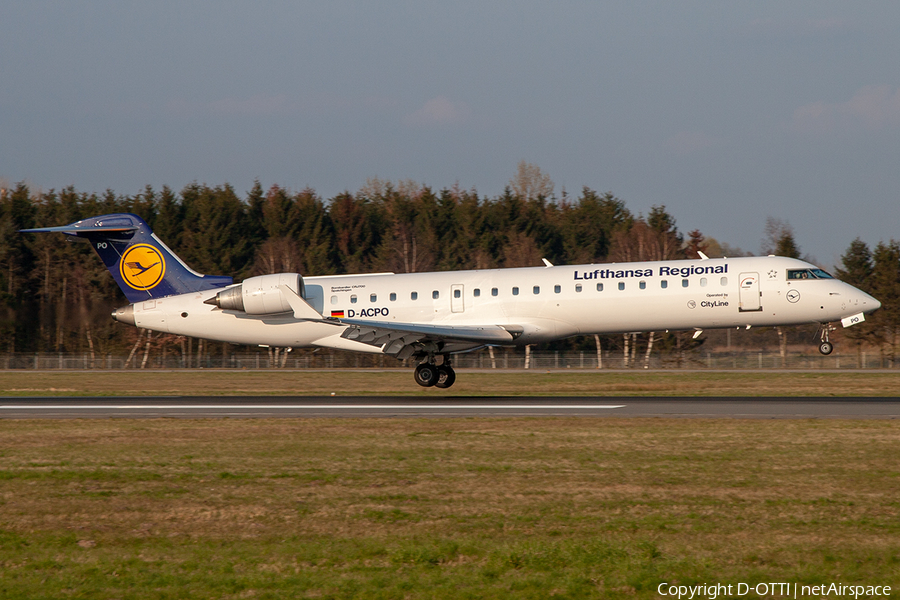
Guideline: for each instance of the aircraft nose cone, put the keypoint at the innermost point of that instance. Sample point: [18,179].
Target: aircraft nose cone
[870,304]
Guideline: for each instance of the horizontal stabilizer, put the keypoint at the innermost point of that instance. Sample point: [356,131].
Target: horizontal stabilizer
[75,230]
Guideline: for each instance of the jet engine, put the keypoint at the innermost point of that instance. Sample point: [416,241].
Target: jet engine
[259,295]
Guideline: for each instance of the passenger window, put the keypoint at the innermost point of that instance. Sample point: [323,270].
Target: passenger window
[685,283]
[457,293]
[557,289]
[663,284]
[435,294]
[643,285]
[414,295]
[353,299]
[334,299]
[494,291]
[393,296]
[599,287]
[476,292]
[578,287]
[723,281]
[621,285]
[537,290]
[515,291]
[703,282]
[373,297]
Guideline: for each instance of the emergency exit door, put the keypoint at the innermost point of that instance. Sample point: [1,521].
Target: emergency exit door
[749,293]
[456,298]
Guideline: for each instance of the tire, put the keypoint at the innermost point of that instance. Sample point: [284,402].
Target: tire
[446,377]
[426,375]
[826,348]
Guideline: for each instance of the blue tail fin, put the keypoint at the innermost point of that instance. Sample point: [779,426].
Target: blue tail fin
[141,264]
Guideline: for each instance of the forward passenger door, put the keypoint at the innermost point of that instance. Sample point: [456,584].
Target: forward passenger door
[749,293]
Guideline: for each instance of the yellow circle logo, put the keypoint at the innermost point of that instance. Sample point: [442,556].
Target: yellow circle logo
[142,267]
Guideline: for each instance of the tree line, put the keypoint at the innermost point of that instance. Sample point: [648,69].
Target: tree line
[57,297]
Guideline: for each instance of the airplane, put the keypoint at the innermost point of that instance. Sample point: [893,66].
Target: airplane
[429,317]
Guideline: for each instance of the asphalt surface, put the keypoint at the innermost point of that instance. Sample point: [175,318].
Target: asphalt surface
[83,407]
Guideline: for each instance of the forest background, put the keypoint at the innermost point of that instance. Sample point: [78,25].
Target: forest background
[57,296]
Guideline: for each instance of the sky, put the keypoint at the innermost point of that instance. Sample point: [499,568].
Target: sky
[726,113]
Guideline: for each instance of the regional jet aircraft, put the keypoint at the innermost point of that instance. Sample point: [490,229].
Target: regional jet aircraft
[431,316]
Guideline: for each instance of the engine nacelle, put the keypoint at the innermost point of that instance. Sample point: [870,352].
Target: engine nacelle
[260,295]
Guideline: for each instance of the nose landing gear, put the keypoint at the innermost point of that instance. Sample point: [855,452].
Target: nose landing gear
[440,376]
[826,347]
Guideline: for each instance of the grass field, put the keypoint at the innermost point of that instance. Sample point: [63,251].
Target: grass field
[457,508]
[477,383]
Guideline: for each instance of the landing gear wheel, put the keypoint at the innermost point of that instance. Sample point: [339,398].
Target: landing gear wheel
[826,347]
[426,375]
[446,377]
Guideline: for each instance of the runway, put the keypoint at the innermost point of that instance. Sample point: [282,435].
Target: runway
[83,407]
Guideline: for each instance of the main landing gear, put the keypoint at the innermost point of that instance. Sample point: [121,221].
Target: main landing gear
[440,376]
[826,347]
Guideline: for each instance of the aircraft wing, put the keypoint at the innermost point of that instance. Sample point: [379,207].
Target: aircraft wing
[403,339]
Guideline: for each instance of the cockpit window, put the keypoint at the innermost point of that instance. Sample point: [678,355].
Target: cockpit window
[808,274]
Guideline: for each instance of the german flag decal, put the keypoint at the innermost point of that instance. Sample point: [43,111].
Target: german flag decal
[337,313]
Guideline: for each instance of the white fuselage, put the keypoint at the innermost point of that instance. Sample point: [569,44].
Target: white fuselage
[547,303]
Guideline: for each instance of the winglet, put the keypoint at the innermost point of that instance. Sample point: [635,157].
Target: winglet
[702,256]
[547,262]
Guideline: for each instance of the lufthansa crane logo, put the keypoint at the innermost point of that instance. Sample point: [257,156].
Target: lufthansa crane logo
[142,267]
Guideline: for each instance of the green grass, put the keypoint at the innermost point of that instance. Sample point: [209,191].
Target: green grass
[457,508]
[479,383]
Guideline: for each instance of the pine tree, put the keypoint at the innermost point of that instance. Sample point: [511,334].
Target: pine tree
[886,288]
[857,265]
[779,239]
[696,244]
[857,269]
[18,315]
[215,234]
[589,225]
[357,230]
[169,222]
